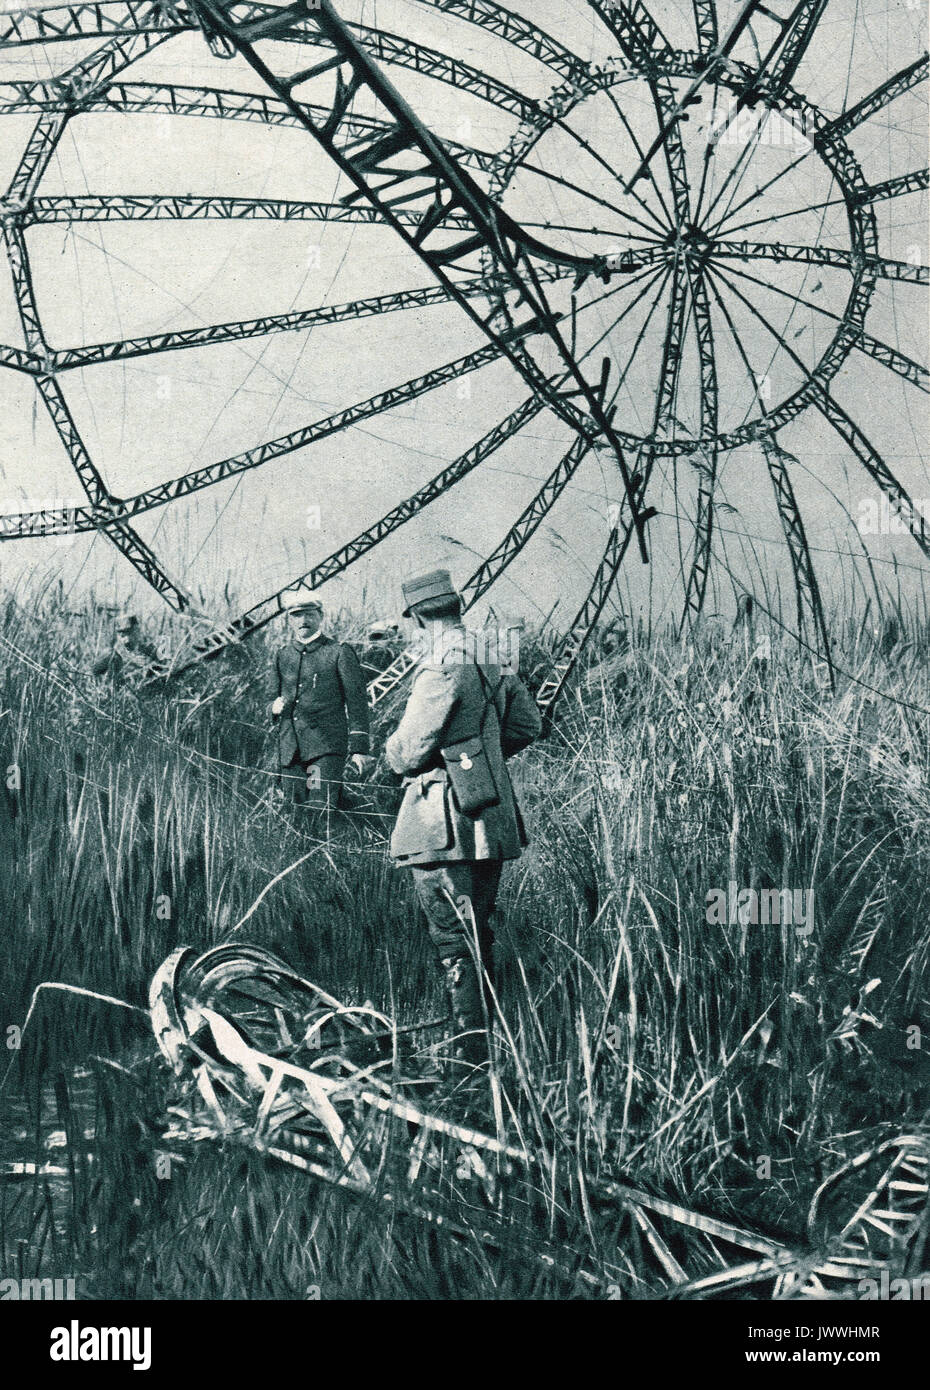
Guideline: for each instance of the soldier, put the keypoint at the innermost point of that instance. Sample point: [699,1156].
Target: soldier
[319,706]
[457,855]
[382,645]
[130,655]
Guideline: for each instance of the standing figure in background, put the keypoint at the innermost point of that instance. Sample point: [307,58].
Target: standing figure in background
[130,655]
[467,717]
[319,707]
[382,645]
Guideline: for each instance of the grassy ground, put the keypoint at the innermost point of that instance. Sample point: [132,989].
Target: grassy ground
[130,824]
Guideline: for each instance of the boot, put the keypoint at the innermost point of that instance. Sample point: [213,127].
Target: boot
[467,1015]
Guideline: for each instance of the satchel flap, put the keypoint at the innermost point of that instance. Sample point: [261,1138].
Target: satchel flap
[464,753]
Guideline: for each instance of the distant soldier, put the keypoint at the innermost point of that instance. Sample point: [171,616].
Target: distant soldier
[319,706]
[130,655]
[382,645]
[461,721]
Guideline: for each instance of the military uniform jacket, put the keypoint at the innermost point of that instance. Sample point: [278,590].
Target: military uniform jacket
[326,704]
[445,705]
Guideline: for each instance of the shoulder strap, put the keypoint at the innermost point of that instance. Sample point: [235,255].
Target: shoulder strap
[489,699]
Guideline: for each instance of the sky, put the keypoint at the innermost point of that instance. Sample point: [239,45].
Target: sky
[148,419]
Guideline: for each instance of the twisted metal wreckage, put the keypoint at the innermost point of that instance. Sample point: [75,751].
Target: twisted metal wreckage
[261,1056]
[266,1059]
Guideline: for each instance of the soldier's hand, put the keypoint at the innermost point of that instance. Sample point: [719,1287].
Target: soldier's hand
[277,706]
[362,763]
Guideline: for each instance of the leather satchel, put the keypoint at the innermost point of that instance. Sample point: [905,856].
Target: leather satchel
[468,767]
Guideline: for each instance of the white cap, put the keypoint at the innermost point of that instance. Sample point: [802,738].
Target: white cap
[295,600]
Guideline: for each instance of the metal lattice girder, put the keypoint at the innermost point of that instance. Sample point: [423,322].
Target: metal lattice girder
[882,96]
[527,523]
[705,22]
[262,19]
[87,77]
[135,549]
[876,467]
[271,606]
[299,320]
[807,591]
[696,587]
[894,188]
[118,207]
[491,569]
[634,28]
[440,186]
[169,99]
[879,266]
[121,16]
[34,160]
[690,274]
[864,451]
[713,58]
[890,357]
[95,72]
[87,518]
[22,284]
[799,32]
[673,344]
[473,588]
[515,29]
[19,360]
[585,619]
[776,69]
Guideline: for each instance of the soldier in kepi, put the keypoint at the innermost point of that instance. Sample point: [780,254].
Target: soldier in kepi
[319,707]
[459,820]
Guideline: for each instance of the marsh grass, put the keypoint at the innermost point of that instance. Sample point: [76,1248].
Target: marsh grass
[728,1065]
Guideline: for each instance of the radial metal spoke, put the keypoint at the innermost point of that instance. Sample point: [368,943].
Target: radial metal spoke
[298,320]
[889,357]
[781,216]
[879,266]
[912,182]
[849,431]
[881,97]
[441,186]
[807,590]
[389,679]
[630,182]
[713,229]
[154,207]
[85,519]
[677,111]
[696,586]
[269,608]
[144,98]
[655,231]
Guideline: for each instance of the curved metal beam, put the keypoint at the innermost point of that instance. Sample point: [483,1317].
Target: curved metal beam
[112,509]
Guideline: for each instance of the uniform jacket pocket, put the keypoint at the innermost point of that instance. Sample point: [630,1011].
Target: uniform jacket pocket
[423,824]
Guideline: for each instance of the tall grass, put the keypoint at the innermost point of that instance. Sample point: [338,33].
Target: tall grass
[729,1065]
